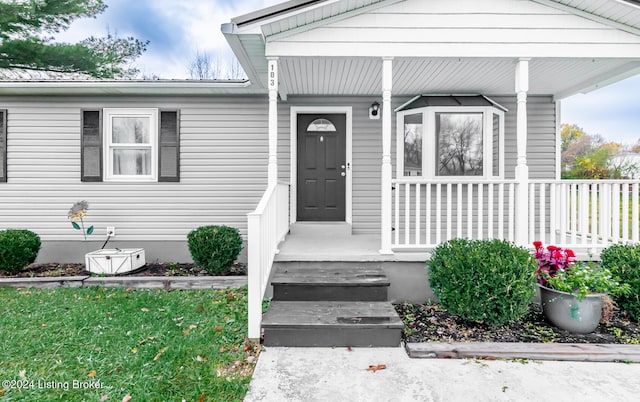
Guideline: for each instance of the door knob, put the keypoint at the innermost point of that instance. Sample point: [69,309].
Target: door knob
[343,174]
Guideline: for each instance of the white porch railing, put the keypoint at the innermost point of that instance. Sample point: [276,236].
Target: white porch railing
[267,226]
[587,215]
[428,212]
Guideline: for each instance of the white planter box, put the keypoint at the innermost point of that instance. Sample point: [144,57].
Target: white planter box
[114,261]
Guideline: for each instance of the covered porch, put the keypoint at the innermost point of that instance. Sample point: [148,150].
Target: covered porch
[525,53]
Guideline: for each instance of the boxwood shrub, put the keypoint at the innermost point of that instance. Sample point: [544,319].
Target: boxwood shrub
[491,281]
[623,260]
[215,248]
[18,248]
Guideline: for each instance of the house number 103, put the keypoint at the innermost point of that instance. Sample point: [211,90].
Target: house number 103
[273,75]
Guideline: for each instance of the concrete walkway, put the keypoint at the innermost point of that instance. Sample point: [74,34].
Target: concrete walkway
[339,374]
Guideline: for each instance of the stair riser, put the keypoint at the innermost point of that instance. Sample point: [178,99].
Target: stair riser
[330,337]
[329,293]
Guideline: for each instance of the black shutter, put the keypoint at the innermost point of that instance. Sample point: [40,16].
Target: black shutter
[169,146]
[3,145]
[91,146]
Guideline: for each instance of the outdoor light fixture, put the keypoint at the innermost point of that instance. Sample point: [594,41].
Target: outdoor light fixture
[374,111]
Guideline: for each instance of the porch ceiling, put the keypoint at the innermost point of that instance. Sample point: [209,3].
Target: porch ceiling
[411,76]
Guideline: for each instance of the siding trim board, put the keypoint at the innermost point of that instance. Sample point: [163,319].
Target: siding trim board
[3,145]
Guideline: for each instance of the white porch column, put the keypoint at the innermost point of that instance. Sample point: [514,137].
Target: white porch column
[522,170]
[385,205]
[273,121]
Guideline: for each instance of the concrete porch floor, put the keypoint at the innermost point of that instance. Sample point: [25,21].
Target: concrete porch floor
[333,241]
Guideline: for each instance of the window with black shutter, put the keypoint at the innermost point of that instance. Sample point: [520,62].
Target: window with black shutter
[169,146]
[130,144]
[91,145]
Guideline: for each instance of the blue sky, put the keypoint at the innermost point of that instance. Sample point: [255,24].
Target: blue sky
[177,29]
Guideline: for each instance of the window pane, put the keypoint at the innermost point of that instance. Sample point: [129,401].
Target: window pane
[321,125]
[131,130]
[131,161]
[413,145]
[459,144]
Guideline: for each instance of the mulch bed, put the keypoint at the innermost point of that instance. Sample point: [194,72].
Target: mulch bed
[432,323]
[149,269]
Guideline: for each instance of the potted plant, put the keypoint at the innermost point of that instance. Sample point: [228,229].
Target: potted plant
[572,292]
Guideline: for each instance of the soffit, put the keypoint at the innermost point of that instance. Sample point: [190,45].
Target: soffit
[411,76]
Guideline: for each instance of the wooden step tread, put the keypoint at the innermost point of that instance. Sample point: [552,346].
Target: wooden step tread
[331,276]
[335,314]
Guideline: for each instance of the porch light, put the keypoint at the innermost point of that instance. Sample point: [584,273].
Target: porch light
[374,111]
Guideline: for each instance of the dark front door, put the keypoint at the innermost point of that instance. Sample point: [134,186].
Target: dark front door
[321,167]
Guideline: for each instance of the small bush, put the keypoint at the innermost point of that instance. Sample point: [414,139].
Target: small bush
[18,248]
[624,262]
[492,281]
[215,248]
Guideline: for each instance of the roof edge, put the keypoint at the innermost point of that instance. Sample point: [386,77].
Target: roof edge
[273,11]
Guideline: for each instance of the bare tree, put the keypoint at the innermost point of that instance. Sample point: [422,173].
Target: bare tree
[204,67]
[460,145]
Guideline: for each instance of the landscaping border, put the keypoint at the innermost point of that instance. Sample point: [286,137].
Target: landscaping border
[585,352]
[134,282]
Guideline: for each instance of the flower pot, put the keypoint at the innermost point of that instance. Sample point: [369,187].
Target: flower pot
[565,311]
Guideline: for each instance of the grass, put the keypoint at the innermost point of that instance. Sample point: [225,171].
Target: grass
[153,345]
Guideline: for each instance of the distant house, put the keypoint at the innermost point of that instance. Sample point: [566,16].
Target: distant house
[405,122]
[628,163]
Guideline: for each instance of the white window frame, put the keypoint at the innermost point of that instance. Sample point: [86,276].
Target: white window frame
[152,115]
[429,152]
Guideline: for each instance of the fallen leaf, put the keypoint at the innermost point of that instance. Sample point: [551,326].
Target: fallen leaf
[373,368]
[22,373]
[134,350]
[151,337]
[97,349]
[44,325]
[92,373]
[185,332]
[201,399]
[126,398]
[104,398]
[200,308]
[221,349]
[201,359]
[144,309]
[142,341]
[218,328]
[160,352]
[193,326]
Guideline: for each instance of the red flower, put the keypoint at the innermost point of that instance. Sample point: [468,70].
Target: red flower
[537,244]
[553,248]
[570,253]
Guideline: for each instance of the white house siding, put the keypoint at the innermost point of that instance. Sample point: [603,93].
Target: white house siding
[223,158]
[462,28]
[367,147]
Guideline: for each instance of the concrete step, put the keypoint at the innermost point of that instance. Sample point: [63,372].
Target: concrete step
[329,229]
[327,324]
[329,281]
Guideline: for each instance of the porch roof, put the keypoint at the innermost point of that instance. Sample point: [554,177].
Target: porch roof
[317,58]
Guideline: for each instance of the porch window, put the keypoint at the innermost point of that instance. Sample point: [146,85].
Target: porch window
[450,136]
[413,145]
[459,144]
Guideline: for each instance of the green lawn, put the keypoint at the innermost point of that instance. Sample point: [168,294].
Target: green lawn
[150,344]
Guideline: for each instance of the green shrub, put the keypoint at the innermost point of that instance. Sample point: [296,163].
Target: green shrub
[215,248]
[624,262]
[18,248]
[492,281]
